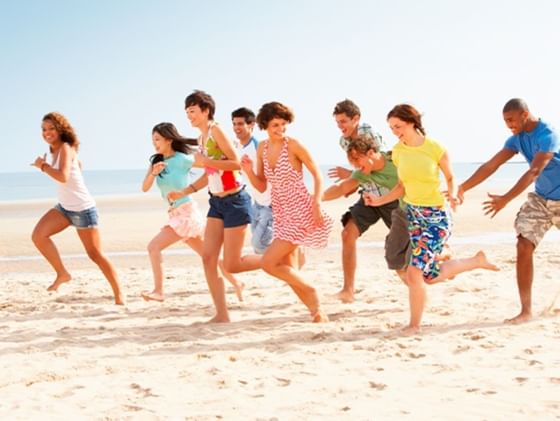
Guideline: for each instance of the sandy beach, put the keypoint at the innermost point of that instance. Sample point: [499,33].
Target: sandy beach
[75,355]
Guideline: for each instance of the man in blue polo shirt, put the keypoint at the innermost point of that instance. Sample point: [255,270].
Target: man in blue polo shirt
[538,143]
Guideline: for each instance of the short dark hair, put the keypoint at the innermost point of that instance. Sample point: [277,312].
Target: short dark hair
[515,104]
[408,114]
[361,145]
[244,113]
[203,100]
[347,107]
[272,110]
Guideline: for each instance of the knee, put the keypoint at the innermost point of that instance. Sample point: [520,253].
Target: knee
[209,259]
[349,235]
[524,246]
[268,265]
[231,266]
[153,247]
[95,255]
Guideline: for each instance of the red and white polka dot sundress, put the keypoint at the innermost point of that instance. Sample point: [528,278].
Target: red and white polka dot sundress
[292,204]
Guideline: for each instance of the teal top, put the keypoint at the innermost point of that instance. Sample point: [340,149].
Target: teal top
[176,176]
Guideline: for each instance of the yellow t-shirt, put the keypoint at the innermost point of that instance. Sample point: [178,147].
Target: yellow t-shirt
[418,169]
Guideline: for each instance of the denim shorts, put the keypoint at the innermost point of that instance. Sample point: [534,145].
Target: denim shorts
[81,219]
[234,209]
[261,227]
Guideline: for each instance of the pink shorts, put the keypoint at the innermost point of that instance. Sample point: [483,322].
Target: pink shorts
[187,221]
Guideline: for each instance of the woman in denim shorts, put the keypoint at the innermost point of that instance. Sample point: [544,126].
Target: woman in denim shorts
[75,207]
[230,205]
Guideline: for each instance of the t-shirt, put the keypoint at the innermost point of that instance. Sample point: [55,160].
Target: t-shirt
[175,176]
[364,130]
[378,182]
[251,150]
[418,169]
[542,138]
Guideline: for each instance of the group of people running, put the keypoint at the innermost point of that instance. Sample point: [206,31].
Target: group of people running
[400,187]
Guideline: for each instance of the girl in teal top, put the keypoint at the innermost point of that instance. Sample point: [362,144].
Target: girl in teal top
[170,168]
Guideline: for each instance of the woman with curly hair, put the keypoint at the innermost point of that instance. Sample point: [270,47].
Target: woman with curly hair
[75,206]
[297,216]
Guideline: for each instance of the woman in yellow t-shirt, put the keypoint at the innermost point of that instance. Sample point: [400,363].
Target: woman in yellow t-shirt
[419,161]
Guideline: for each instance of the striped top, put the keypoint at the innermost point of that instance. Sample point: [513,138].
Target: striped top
[292,204]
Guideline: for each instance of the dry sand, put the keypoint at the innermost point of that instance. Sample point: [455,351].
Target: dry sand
[74,355]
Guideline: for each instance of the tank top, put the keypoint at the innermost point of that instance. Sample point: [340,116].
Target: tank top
[219,181]
[73,195]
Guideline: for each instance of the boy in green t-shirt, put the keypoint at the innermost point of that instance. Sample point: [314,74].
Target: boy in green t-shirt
[374,173]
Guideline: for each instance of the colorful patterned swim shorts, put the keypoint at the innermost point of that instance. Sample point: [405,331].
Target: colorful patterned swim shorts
[428,228]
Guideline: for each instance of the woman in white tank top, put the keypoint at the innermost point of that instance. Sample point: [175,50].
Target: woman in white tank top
[75,206]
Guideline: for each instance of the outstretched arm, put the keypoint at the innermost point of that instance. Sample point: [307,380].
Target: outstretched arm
[340,189]
[484,171]
[498,202]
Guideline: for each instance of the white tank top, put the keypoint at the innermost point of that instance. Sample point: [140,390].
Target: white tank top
[74,195]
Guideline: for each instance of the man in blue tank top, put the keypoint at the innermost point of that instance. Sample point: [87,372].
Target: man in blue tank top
[538,143]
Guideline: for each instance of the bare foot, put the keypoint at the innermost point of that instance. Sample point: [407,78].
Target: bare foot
[319,317]
[410,330]
[484,263]
[60,279]
[346,297]
[239,287]
[219,319]
[152,296]
[520,318]
[120,300]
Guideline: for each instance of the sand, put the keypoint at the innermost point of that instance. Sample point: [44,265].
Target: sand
[75,355]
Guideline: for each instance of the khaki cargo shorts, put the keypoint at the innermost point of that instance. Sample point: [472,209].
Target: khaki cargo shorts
[536,216]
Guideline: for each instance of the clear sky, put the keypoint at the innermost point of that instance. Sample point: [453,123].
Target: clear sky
[116,68]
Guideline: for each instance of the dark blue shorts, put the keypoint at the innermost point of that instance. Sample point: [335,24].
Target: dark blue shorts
[81,219]
[234,209]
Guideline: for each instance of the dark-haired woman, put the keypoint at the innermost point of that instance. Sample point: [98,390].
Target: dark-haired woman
[75,206]
[170,167]
[419,160]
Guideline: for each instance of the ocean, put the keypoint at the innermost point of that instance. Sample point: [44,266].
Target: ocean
[33,185]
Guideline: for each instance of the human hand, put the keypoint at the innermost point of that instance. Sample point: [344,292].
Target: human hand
[157,168]
[39,161]
[339,173]
[246,163]
[371,199]
[317,214]
[461,194]
[172,196]
[495,204]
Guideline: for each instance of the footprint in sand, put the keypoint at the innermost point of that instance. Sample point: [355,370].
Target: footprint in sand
[377,386]
[521,380]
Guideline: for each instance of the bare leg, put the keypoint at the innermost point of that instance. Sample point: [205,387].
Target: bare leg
[214,238]
[416,298]
[453,267]
[350,235]
[524,270]
[51,223]
[197,244]
[274,263]
[401,273]
[166,237]
[234,262]
[92,243]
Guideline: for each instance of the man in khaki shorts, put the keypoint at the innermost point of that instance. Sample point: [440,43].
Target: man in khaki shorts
[539,144]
